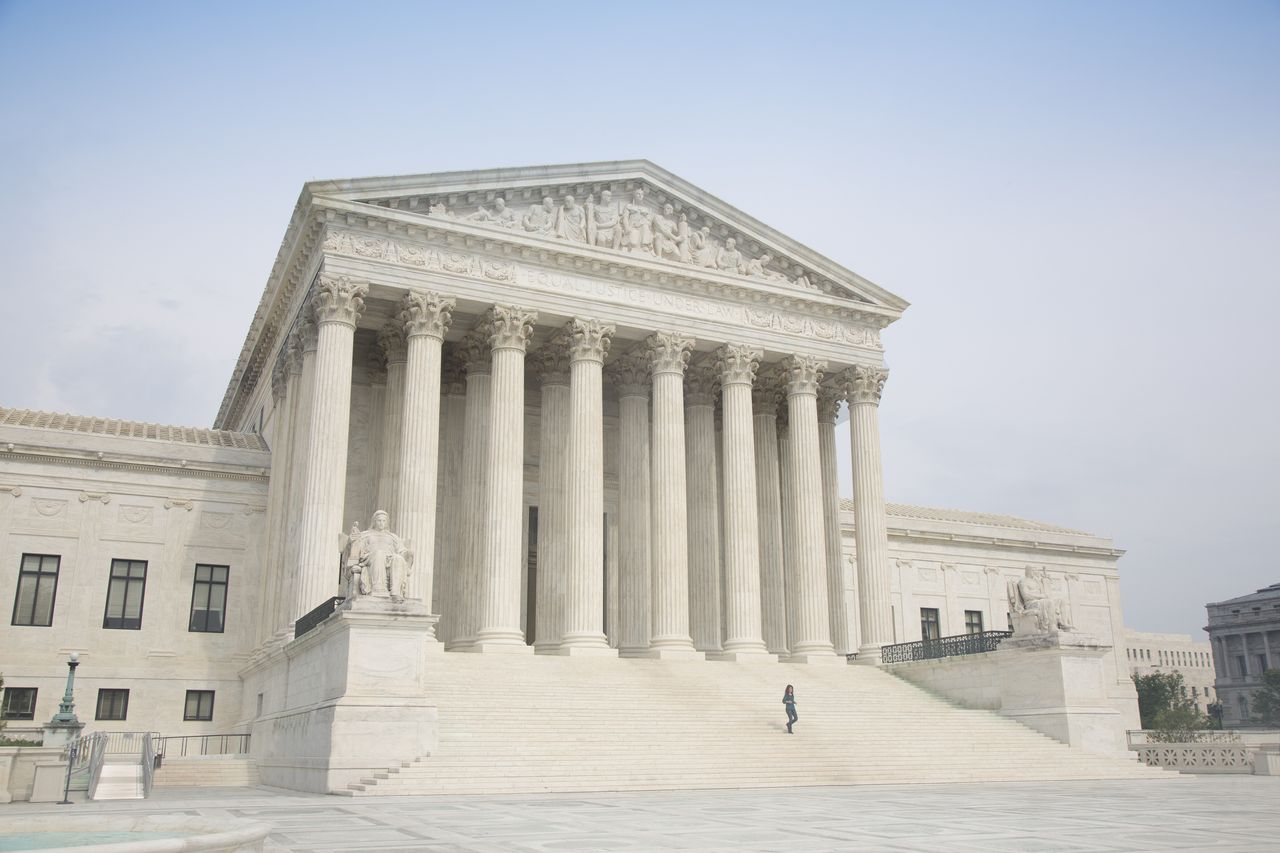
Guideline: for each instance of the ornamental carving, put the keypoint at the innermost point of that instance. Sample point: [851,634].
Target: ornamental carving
[293,350]
[669,351]
[425,313]
[134,514]
[701,382]
[376,365]
[551,362]
[510,326]
[589,339]
[474,350]
[803,373]
[829,398]
[738,363]
[767,392]
[392,340]
[279,378]
[630,374]
[453,373]
[339,299]
[864,384]
[308,334]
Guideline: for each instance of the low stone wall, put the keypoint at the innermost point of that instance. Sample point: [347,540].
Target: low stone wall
[1198,757]
[18,769]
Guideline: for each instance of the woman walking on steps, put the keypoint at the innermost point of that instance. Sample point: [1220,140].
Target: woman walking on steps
[789,699]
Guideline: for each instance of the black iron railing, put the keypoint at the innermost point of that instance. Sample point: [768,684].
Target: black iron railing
[178,747]
[315,617]
[944,647]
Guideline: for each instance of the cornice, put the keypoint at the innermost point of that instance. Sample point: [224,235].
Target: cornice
[998,542]
[178,468]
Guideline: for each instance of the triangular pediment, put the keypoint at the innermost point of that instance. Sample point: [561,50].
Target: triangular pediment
[629,209]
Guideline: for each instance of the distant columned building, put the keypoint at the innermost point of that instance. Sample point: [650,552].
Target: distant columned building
[1245,635]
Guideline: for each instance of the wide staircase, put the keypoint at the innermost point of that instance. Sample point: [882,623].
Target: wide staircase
[542,723]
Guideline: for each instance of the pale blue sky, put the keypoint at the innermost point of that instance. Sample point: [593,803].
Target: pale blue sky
[1081,200]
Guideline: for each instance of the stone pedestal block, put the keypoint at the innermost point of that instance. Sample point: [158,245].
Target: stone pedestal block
[348,698]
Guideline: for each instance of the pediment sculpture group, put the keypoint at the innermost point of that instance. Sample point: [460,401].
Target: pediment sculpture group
[376,562]
[631,226]
[1033,608]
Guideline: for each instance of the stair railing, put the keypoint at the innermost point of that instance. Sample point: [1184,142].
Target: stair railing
[97,757]
[148,763]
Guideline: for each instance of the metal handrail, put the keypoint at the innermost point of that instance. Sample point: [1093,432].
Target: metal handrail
[148,764]
[180,746]
[943,647]
[97,757]
[313,619]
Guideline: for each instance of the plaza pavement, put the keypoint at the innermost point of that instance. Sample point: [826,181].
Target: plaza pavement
[1224,814]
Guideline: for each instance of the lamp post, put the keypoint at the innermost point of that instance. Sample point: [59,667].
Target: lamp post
[66,720]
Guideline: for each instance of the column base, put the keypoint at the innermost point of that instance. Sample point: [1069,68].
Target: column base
[633,652]
[867,656]
[586,652]
[546,648]
[673,653]
[498,647]
[817,658]
[744,656]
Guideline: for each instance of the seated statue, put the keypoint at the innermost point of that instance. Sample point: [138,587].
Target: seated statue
[376,561]
[1033,608]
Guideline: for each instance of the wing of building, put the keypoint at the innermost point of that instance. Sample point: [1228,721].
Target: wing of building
[598,408]
[1244,633]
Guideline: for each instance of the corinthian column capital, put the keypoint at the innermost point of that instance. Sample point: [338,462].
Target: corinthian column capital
[669,351]
[306,334]
[630,373]
[377,366]
[391,337]
[864,384]
[453,373]
[339,299]
[803,373]
[550,363]
[767,391]
[829,397]
[589,339]
[474,351]
[510,326]
[425,313]
[701,381]
[738,364]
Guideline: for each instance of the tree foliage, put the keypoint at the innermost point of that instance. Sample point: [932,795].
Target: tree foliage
[1266,700]
[1163,704]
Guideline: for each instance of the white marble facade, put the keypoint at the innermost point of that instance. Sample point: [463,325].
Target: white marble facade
[597,403]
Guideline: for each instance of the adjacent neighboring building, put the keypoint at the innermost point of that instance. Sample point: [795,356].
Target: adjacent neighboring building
[1244,633]
[1150,653]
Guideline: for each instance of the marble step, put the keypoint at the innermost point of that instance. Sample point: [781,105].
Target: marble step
[119,782]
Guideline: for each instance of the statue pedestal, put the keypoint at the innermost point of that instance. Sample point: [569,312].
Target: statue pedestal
[1056,683]
[347,699]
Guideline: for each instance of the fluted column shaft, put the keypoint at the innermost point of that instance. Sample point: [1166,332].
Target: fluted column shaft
[743,630]
[812,634]
[584,587]
[790,559]
[553,518]
[425,317]
[703,501]
[669,634]
[393,343]
[828,406]
[633,499]
[338,304]
[504,476]
[448,572]
[474,522]
[284,392]
[864,386]
[305,366]
[773,597]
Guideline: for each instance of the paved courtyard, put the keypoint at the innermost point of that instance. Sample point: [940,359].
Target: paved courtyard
[1224,814]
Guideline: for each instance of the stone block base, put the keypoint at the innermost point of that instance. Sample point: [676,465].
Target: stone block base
[491,648]
[743,657]
[817,659]
[586,652]
[673,654]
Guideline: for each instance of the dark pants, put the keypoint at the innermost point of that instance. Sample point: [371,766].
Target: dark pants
[791,716]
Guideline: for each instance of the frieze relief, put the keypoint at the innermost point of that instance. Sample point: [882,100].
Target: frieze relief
[508,272]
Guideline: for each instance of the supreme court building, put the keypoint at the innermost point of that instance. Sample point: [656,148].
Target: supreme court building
[598,406]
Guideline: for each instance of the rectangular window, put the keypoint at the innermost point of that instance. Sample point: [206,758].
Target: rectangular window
[1242,668]
[199,705]
[19,703]
[125,593]
[37,586]
[209,599]
[112,704]
[1262,663]
[929,628]
[973,621]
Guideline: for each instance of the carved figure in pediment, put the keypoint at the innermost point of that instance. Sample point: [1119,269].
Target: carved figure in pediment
[1033,606]
[759,268]
[376,561]
[802,280]
[571,221]
[501,215]
[703,248]
[729,259]
[671,236]
[438,209]
[603,226]
[637,225]
[541,218]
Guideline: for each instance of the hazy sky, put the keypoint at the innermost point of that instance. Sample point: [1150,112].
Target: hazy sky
[1080,199]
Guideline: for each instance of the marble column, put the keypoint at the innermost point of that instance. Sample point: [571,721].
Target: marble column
[773,597]
[499,631]
[425,317]
[284,396]
[553,519]
[630,375]
[475,354]
[669,626]
[337,306]
[828,408]
[700,382]
[812,635]
[453,379]
[376,370]
[584,587]
[302,366]
[864,385]
[392,340]
[790,561]
[744,639]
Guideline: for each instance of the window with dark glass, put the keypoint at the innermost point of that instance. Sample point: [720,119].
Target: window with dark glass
[19,703]
[37,587]
[209,599]
[125,593]
[929,626]
[199,705]
[112,704]
[973,621]
[1242,668]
